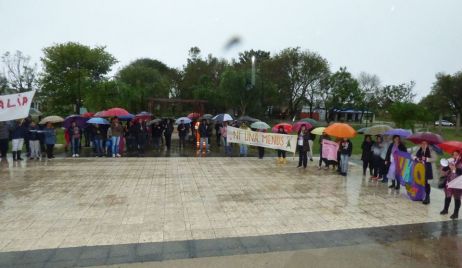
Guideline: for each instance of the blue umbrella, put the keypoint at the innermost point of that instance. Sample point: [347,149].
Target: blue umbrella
[127,117]
[398,132]
[98,121]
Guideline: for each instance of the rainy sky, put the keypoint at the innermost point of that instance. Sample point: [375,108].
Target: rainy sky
[398,40]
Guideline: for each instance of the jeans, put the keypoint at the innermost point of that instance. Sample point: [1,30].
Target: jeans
[344,163]
[243,149]
[75,144]
[115,144]
[34,148]
[98,146]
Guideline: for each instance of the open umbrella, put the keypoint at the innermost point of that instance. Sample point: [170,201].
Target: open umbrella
[78,119]
[184,119]
[451,146]
[361,130]
[51,119]
[144,116]
[246,118]
[88,115]
[194,115]
[297,126]
[313,122]
[98,121]
[455,183]
[126,117]
[340,130]
[287,127]
[157,120]
[377,130]
[222,118]
[113,112]
[207,116]
[318,131]
[429,137]
[398,132]
[260,125]
[100,114]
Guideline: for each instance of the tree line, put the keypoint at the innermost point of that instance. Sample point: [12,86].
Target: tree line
[74,74]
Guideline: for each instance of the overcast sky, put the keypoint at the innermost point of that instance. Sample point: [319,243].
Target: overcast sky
[399,40]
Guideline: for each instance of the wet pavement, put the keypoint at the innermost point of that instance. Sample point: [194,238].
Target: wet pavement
[98,211]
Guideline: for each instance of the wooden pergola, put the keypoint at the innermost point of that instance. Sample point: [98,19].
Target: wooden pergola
[162,104]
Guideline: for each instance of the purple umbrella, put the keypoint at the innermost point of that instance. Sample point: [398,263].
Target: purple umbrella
[75,118]
[398,132]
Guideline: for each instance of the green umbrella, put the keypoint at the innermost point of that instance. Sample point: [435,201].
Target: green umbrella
[260,125]
[313,122]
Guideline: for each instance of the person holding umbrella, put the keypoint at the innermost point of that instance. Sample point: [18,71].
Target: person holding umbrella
[454,172]
[97,135]
[345,148]
[324,136]
[281,153]
[303,146]
[424,156]
[202,136]
[50,139]
[389,160]
[75,134]
[168,133]
[115,133]
[182,132]
[378,163]
[366,155]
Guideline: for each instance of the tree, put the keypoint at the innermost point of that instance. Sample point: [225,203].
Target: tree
[20,73]
[395,93]
[4,88]
[406,114]
[297,75]
[345,90]
[71,71]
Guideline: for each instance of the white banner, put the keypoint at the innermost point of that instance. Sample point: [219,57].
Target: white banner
[15,106]
[262,139]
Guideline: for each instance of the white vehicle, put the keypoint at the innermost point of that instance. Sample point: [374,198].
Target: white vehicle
[444,123]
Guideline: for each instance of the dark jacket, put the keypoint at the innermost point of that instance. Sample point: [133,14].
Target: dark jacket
[18,132]
[366,146]
[401,147]
[96,132]
[182,130]
[346,147]
[156,131]
[203,130]
[306,144]
[4,131]
[70,131]
[168,129]
[33,133]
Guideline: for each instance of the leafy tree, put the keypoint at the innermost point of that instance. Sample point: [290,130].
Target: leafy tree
[20,74]
[297,75]
[4,88]
[370,86]
[345,90]
[390,94]
[71,72]
[406,114]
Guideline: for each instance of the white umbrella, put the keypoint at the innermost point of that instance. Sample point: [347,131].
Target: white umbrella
[223,117]
[456,183]
[51,119]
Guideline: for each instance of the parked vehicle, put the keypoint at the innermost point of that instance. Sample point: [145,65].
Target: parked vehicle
[444,123]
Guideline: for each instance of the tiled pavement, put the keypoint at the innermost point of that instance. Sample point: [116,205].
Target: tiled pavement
[96,202]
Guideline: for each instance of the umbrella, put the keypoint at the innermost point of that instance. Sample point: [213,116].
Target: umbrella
[455,183]
[88,115]
[98,121]
[313,122]
[144,114]
[113,112]
[361,130]
[223,117]
[451,146]
[246,118]
[34,112]
[51,119]
[78,119]
[100,114]
[207,116]
[377,130]
[340,130]
[157,120]
[318,131]
[194,115]
[184,119]
[126,117]
[260,125]
[297,126]
[398,132]
[287,127]
[429,137]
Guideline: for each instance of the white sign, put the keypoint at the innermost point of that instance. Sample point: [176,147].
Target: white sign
[15,106]
[269,140]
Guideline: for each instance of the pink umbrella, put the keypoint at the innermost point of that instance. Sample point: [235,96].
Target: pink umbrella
[113,112]
[194,115]
[100,114]
[456,183]
[297,126]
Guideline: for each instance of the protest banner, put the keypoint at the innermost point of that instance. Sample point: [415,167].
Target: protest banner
[15,106]
[268,140]
[411,174]
[329,150]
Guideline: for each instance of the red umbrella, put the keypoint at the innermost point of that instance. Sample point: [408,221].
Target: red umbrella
[113,112]
[287,127]
[297,126]
[194,115]
[429,137]
[87,115]
[100,114]
[451,146]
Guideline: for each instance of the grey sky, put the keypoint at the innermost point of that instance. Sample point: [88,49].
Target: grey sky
[399,40]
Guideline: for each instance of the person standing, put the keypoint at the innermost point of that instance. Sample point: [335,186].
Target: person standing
[4,139]
[378,163]
[201,133]
[310,141]
[75,134]
[218,133]
[116,131]
[424,156]
[243,149]
[455,170]
[346,148]
[18,133]
[156,135]
[142,136]
[224,134]
[50,139]
[34,141]
[281,153]
[366,155]
[182,131]
[326,137]
[261,150]
[97,136]
[303,146]
[390,165]
[168,134]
